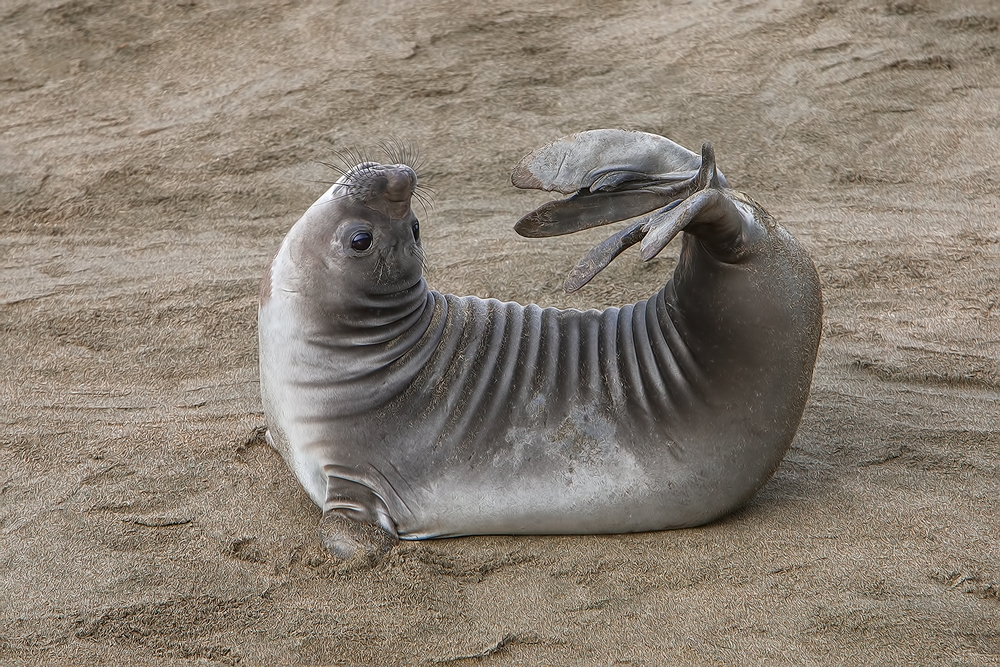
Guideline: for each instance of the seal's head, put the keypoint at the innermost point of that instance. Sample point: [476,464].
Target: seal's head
[377,237]
[357,244]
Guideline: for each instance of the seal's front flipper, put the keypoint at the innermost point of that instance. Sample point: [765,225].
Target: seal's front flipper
[355,524]
[348,539]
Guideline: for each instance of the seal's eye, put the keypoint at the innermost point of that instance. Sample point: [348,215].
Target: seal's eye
[416,230]
[361,241]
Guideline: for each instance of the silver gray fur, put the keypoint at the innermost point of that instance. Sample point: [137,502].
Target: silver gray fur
[406,412]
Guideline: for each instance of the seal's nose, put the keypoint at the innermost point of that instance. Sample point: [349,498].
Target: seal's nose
[400,181]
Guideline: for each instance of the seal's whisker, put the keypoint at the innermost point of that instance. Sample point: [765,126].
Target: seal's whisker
[383,267]
[401,151]
[423,207]
[351,157]
[421,256]
[334,199]
[359,179]
[423,187]
[425,203]
[381,264]
[336,168]
[344,195]
[341,165]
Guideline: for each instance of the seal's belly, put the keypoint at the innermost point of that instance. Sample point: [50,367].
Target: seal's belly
[526,490]
[522,420]
[574,480]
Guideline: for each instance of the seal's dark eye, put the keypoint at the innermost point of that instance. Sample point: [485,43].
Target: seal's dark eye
[361,241]
[416,230]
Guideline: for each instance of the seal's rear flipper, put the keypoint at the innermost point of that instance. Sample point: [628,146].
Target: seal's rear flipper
[711,214]
[601,159]
[593,209]
[702,203]
[615,175]
[605,252]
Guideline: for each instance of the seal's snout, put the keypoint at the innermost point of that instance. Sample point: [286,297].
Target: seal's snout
[400,181]
[384,188]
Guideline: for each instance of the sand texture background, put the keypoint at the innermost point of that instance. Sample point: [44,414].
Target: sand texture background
[152,156]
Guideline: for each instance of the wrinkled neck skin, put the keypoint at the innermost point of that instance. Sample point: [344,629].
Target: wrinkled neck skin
[366,318]
[371,313]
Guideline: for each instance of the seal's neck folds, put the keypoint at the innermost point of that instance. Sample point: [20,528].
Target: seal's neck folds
[376,319]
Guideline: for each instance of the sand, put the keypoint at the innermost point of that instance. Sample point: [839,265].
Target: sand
[152,156]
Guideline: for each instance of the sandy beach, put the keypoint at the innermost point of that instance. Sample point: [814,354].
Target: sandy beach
[154,154]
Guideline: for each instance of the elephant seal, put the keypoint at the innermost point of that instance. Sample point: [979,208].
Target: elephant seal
[406,413]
